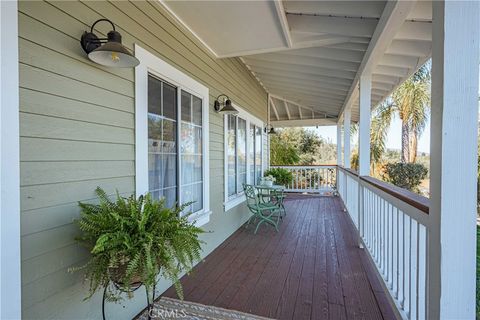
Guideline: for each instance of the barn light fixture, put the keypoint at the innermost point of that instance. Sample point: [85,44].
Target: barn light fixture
[108,51]
[269,129]
[225,105]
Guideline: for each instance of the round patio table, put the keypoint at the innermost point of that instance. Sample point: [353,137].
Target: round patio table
[275,192]
[275,187]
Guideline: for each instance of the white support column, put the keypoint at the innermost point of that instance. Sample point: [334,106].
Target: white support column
[346,137]
[453,160]
[364,125]
[10,277]
[269,122]
[339,143]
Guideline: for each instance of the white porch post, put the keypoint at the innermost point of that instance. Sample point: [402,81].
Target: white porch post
[10,278]
[339,143]
[453,160]
[365,84]
[346,137]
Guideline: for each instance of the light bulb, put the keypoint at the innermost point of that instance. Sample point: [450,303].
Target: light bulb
[115,57]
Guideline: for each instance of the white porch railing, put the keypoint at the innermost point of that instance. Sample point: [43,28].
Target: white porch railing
[348,189]
[316,179]
[393,226]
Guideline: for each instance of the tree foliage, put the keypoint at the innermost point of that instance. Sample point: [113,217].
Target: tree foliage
[411,103]
[300,146]
[282,176]
[405,175]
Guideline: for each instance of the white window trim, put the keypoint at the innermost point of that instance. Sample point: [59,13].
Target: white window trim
[239,198]
[152,64]
[10,271]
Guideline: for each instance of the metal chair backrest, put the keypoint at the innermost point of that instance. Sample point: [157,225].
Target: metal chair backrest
[250,194]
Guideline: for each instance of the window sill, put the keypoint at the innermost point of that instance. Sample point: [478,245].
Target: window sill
[201,217]
[235,201]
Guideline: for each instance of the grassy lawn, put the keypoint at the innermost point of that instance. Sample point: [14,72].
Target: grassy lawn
[478,272]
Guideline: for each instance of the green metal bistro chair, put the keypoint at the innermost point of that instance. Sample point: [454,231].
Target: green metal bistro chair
[268,212]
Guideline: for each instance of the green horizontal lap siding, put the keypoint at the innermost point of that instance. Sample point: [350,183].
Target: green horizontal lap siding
[78,130]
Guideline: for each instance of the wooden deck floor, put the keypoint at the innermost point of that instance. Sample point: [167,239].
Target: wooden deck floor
[311,269]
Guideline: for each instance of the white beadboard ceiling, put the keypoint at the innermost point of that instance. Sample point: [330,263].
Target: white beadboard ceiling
[308,54]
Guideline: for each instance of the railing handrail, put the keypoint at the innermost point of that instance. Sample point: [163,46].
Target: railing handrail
[302,166]
[348,170]
[415,200]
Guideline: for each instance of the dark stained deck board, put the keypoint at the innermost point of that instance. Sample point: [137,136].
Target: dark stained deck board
[240,300]
[320,308]
[311,269]
[286,306]
[265,296]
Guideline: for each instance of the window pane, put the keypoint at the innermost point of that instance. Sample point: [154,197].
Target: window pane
[155,173]
[169,101]
[170,195]
[188,140]
[242,153]
[251,153]
[154,95]
[191,169]
[197,110]
[191,139]
[231,154]
[187,196]
[162,137]
[154,133]
[170,170]
[169,136]
[187,169]
[186,106]
[258,154]
[198,140]
[191,150]
[197,196]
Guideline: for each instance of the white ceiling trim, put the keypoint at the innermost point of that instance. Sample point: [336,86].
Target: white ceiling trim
[392,19]
[305,122]
[283,22]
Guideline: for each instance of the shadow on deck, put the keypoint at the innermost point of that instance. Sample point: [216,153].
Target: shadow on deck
[311,269]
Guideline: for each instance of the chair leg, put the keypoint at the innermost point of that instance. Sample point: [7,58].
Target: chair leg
[267,220]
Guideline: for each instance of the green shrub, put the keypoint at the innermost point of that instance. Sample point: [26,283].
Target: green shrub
[133,240]
[282,176]
[405,175]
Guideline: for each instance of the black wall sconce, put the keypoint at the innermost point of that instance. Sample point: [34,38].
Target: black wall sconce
[269,129]
[225,106]
[108,51]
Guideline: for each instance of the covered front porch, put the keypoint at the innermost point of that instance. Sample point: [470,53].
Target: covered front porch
[311,269]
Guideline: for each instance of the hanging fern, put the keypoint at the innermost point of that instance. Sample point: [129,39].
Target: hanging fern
[136,239]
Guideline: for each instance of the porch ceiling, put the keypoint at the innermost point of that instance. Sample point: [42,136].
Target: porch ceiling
[309,54]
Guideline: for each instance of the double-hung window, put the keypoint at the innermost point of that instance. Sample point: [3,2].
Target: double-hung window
[171,136]
[243,155]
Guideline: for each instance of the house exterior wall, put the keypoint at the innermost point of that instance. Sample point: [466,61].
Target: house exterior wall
[77,133]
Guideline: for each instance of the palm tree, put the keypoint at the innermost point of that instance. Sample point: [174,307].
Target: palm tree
[411,101]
